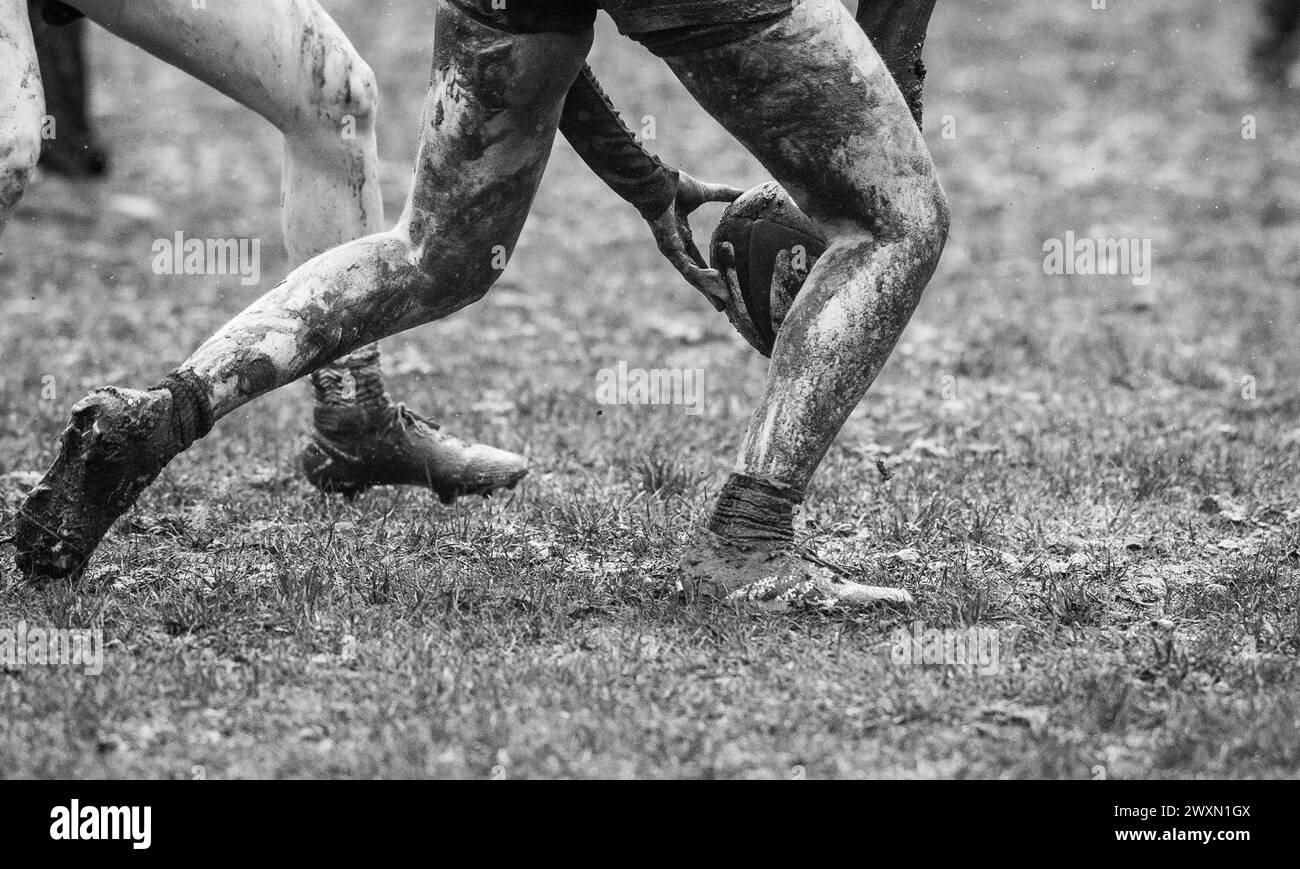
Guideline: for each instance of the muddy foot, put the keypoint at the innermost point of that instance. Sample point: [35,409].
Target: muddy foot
[115,445]
[774,577]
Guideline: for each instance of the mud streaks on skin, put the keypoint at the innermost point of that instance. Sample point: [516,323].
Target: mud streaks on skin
[333,95]
[474,169]
[820,109]
[478,170]
[761,107]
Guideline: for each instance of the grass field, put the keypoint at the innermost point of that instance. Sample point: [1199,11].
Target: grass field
[1104,474]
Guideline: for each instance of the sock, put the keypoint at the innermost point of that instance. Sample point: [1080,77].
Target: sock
[356,379]
[192,416]
[752,510]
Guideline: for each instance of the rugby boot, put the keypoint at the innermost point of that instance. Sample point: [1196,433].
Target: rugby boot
[772,576]
[354,448]
[362,439]
[115,445]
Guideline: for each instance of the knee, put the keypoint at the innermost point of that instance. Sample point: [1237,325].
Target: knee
[18,156]
[449,269]
[459,272]
[917,215]
[912,211]
[343,91]
[933,219]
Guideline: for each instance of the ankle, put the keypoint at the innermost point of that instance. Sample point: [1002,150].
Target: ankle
[191,408]
[354,381]
[751,512]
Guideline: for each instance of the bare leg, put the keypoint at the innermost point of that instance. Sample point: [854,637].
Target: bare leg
[22,105]
[288,61]
[490,120]
[73,150]
[814,102]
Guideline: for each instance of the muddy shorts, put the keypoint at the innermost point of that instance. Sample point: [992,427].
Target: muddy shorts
[666,27]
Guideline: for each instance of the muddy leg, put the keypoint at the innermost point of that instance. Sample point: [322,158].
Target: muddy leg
[22,105]
[290,62]
[815,103]
[490,120]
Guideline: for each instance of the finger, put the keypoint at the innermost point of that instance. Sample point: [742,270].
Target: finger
[726,266]
[720,192]
[710,283]
[785,282]
[699,193]
[783,273]
[684,238]
[706,280]
[678,242]
[694,252]
[726,256]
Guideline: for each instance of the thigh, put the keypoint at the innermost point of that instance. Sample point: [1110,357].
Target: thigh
[533,16]
[811,98]
[21,100]
[273,56]
[489,124]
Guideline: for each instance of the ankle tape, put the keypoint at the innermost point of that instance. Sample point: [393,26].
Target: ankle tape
[367,380]
[752,509]
[192,416]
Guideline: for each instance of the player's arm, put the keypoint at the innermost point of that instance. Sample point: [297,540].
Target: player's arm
[663,195]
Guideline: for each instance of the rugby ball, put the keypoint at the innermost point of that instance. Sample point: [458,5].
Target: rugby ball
[759,225]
